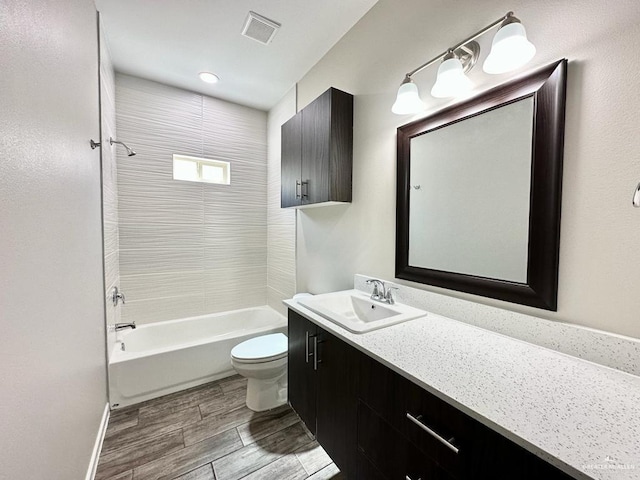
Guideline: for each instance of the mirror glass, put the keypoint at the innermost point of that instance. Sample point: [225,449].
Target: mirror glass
[469,194]
[479,190]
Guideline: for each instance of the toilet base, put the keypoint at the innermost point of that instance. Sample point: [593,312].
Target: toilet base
[266,394]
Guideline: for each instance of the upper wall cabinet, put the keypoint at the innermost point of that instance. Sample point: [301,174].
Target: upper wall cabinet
[317,152]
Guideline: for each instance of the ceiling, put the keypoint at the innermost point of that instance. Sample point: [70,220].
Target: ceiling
[171,41]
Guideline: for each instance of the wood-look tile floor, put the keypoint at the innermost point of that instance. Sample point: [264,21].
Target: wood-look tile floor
[208,433]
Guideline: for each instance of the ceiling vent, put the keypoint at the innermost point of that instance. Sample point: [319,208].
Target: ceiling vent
[259,28]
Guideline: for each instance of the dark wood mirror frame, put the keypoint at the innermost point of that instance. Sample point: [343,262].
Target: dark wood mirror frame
[548,89]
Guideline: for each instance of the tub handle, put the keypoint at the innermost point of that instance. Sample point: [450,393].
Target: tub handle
[117,296]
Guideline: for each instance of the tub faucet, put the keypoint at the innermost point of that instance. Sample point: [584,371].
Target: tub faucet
[122,326]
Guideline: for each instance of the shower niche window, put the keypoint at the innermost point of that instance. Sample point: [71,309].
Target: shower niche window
[195,169]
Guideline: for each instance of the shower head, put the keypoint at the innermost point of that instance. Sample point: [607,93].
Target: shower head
[130,151]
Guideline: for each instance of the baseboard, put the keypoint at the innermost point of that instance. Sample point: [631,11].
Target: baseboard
[97,448]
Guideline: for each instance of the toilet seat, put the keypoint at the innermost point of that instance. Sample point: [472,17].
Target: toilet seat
[265,348]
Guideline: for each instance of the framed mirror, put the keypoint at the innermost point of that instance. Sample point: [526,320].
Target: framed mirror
[479,192]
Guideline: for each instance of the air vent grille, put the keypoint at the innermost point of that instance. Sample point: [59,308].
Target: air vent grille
[259,28]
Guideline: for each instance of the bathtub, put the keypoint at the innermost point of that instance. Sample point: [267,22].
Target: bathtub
[165,357]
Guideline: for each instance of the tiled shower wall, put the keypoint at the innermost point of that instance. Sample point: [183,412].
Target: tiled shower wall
[281,239]
[109,187]
[189,248]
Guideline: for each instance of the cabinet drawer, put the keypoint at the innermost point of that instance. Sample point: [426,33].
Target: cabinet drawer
[494,456]
[383,390]
[437,429]
[383,446]
[421,467]
[389,454]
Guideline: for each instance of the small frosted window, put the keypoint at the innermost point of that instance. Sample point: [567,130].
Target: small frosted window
[194,169]
[213,173]
[185,170]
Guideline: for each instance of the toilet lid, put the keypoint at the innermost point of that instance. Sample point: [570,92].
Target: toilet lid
[261,349]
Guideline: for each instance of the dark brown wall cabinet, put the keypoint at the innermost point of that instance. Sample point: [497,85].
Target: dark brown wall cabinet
[377,425]
[317,152]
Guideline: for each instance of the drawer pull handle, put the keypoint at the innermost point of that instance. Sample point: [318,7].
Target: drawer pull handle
[446,443]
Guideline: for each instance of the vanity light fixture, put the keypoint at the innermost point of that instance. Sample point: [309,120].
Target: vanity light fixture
[209,77]
[510,50]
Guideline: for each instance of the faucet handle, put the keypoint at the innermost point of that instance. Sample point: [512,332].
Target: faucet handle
[389,295]
[379,291]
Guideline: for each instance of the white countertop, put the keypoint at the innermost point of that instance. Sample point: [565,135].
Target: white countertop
[582,417]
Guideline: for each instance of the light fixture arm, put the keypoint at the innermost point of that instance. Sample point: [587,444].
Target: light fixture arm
[506,18]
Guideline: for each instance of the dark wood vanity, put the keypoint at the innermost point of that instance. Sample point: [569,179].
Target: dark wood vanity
[317,152]
[377,425]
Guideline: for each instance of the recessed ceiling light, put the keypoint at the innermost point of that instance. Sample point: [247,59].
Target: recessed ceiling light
[209,77]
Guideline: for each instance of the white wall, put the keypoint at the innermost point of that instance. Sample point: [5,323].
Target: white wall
[109,188]
[600,237]
[189,248]
[281,227]
[53,372]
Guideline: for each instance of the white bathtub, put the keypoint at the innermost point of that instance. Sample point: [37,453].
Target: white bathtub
[165,357]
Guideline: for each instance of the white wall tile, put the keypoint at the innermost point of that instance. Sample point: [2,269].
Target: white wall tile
[281,243]
[161,309]
[189,248]
[159,285]
[161,235]
[235,246]
[158,260]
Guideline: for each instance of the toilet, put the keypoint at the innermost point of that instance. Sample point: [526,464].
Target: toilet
[263,361]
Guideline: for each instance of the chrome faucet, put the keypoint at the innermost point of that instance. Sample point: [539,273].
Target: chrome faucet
[122,326]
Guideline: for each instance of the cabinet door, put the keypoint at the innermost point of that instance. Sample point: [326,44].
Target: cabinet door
[336,410]
[316,131]
[291,161]
[300,367]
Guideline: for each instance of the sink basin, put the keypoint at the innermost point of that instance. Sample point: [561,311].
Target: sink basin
[357,312]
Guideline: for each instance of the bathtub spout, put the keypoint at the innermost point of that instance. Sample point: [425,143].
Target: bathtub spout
[122,326]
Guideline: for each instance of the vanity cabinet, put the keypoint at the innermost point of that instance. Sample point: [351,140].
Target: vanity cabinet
[322,380]
[377,425]
[317,152]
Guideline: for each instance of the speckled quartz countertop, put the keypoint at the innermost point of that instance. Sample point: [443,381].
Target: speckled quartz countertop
[580,416]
